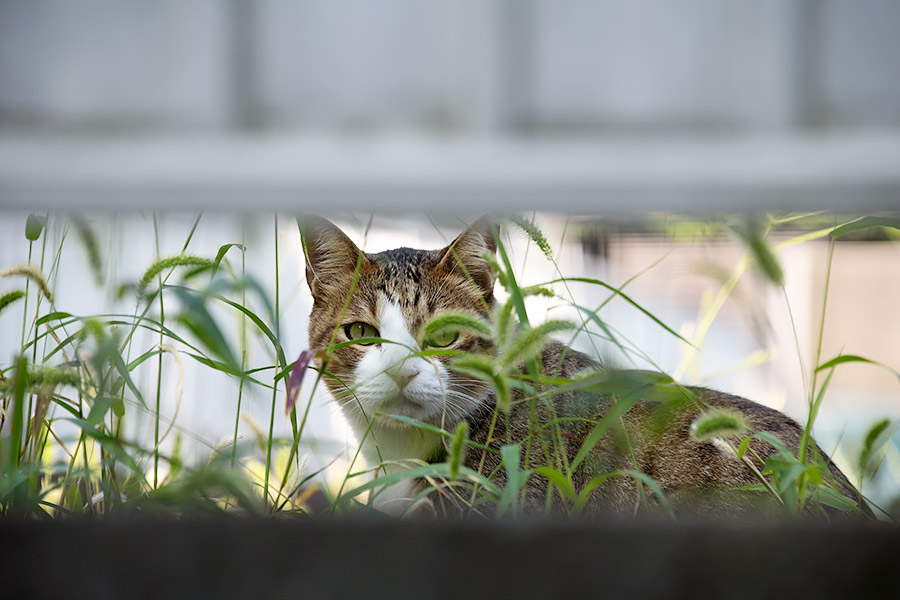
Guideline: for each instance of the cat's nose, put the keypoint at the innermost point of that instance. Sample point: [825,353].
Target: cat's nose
[403,373]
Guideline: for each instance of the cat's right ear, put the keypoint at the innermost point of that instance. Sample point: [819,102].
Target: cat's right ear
[331,257]
[466,253]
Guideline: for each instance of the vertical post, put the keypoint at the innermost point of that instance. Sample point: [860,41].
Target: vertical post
[792,65]
[516,39]
[502,64]
[807,62]
[242,21]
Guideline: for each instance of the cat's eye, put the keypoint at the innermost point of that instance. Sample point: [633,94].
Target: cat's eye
[360,330]
[442,339]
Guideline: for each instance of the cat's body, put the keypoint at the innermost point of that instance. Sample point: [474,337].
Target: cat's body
[392,295]
[697,477]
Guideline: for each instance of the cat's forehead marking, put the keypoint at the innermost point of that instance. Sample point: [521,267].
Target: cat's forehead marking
[405,279]
[405,260]
[403,272]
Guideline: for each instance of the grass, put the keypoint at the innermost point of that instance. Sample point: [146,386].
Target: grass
[78,396]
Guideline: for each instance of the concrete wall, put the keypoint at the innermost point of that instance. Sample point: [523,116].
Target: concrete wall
[281,558]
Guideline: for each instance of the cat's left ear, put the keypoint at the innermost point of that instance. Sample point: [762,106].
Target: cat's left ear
[466,253]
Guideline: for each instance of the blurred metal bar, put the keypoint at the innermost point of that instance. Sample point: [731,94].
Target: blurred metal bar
[849,173]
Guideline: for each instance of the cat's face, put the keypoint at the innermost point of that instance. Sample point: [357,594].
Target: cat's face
[392,295]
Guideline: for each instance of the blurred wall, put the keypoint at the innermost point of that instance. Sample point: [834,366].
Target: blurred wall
[449,65]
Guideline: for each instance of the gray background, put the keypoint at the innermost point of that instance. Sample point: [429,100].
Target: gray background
[697,104]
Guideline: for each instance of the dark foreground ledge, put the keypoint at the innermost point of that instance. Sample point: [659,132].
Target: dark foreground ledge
[246,558]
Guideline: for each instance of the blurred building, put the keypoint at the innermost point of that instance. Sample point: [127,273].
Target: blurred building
[450,66]
[702,104]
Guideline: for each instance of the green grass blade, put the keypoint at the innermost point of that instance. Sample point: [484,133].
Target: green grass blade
[196,317]
[627,299]
[53,316]
[91,247]
[606,422]
[515,293]
[437,470]
[559,480]
[515,480]
[224,250]
[851,358]
[651,483]
[751,233]
[865,223]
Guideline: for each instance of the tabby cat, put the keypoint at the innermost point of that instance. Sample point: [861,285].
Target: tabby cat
[391,295]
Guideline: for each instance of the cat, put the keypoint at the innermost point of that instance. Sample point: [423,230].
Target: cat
[391,295]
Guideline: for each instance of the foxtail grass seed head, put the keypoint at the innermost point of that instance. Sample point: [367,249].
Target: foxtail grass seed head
[504,322]
[31,273]
[89,239]
[535,234]
[455,323]
[537,290]
[93,328]
[870,455]
[10,297]
[44,379]
[170,263]
[718,424]
[456,448]
[495,268]
[531,341]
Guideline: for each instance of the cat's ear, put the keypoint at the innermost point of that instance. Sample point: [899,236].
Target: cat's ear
[466,253]
[331,257]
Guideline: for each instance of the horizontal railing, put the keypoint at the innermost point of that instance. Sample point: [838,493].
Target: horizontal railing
[848,173]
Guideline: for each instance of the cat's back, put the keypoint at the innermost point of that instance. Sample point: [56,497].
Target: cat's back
[647,428]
